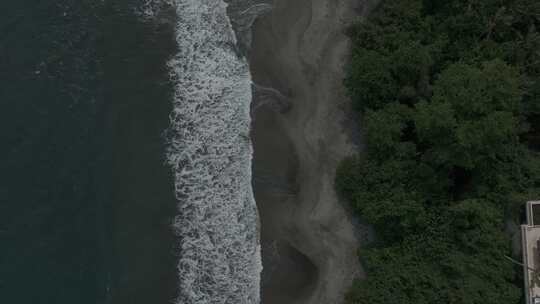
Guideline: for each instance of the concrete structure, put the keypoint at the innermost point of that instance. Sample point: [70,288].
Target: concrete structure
[530,236]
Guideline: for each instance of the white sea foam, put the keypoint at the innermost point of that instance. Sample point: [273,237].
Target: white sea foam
[150,9]
[210,152]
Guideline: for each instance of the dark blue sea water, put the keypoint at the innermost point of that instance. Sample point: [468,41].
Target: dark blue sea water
[125,157]
[86,202]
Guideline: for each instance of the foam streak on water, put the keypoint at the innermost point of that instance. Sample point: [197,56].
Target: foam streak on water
[210,153]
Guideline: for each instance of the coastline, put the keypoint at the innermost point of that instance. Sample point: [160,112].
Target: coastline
[309,242]
[209,152]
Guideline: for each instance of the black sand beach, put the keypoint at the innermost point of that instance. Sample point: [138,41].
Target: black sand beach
[308,241]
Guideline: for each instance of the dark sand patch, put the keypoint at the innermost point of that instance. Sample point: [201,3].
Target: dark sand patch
[287,273]
[308,241]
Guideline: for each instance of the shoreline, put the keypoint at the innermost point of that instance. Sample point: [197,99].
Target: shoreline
[308,240]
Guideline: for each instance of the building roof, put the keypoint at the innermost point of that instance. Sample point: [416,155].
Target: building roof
[530,235]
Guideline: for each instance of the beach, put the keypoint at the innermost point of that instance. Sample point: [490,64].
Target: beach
[309,242]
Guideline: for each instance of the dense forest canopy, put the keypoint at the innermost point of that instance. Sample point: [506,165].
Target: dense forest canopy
[448,95]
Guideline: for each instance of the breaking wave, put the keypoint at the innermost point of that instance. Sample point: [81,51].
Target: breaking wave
[210,153]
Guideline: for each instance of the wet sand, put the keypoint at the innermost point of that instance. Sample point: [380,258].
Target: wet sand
[309,243]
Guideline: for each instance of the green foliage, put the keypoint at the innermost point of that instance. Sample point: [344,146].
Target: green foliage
[472,119]
[449,96]
[370,80]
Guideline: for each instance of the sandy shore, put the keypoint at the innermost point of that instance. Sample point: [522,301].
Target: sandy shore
[309,242]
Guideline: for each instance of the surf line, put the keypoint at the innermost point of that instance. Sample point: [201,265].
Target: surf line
[210,153]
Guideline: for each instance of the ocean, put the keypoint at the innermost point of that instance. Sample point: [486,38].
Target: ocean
[126,158]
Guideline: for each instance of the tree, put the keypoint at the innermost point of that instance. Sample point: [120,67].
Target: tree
[448,95]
